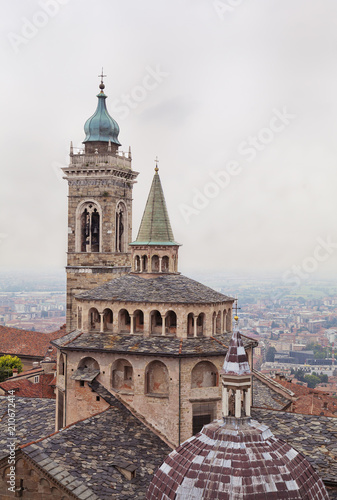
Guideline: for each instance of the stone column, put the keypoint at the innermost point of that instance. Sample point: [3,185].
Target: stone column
[225,401]
[141,264]
[131,323]
[195,325]
[163,324]
[247,401]
[102,322]
[238,403]
[160,264]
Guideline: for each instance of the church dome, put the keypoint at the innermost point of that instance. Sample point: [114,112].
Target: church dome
[235,459]
[101,127]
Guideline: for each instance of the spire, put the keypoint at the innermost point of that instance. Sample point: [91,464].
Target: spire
[236,361]
[155,227]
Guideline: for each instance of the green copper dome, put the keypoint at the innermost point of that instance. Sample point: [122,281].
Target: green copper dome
[101,126]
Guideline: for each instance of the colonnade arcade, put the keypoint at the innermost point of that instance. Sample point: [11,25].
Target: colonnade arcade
[157,321]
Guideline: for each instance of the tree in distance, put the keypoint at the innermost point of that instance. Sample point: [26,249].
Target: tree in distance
[7,364]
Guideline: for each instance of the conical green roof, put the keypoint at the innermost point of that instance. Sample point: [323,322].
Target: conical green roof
[155,227]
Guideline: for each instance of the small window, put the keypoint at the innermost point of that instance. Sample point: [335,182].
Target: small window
[36,379]
[98,398]
[81,383]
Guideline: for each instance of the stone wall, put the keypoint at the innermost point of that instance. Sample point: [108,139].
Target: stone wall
[83,278]
[162,411]
[30,482]
[107,182]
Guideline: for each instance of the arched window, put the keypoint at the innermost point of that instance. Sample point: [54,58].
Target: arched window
[124,321]
[156,322]
[94,320]
[138,321]
[88,363]
[171,322]
[122,375]
[155,264]
[201,324]
[165,264]
[90,228]
[218,322]
[204,374]
[190,325]
[61,364]
[121,227]
[107,320]
[137,263]
[229,320]
[156,379]
[144,261]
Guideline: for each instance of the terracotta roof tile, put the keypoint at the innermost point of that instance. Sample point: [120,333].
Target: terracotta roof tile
[19,342]
[26,388]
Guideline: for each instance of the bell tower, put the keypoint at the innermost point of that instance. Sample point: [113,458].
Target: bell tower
[100,180]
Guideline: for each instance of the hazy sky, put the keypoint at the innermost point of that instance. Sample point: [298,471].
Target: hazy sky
[246,88]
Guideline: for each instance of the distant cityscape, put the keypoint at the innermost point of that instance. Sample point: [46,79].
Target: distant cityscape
[296,327]
[33,301]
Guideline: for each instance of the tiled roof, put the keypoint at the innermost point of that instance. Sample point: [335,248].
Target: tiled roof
[26,343]
[33,418]
[236,459]
[311,401]
[313,436]
[266,397]
[236,361]
[85,456]
[138,344]
[25,388]
[155,227]
[169,288]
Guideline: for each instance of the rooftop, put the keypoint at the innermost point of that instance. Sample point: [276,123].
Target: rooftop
[168,288]
[25,342]
[34,418]
[26,388]
[235,459]
[155,227]
[137,344]
[89,457]
[313,436]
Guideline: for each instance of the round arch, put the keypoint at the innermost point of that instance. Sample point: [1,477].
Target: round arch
[204,374]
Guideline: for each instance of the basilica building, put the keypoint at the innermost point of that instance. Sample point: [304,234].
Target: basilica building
[152,337]
[156,395]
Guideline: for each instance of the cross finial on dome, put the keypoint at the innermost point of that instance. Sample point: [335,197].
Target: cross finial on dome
[156,162]
[101,76]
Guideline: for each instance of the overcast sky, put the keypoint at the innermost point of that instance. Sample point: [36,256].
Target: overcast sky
[239,91]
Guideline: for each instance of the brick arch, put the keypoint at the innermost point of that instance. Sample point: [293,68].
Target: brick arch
[88,362]
[107,320]
[122,375]
[94,320]
[124,321]
[204,374]
[157,378]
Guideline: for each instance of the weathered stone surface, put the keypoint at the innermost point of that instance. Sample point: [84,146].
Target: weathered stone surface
[174,288]
[313,436]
